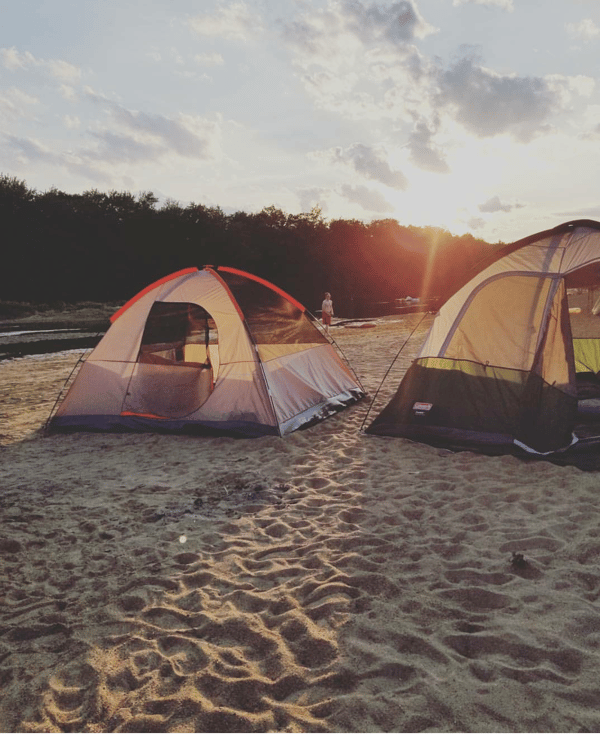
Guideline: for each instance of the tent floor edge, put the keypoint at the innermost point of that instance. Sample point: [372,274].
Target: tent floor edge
[321,411]
[132,423]
[584,454]
[446,437]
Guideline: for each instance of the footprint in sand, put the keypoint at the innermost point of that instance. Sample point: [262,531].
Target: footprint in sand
[71,702]
[517,659]
[475,598]
[185,655]
[475,577]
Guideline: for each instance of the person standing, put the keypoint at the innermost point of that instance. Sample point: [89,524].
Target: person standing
[327,311]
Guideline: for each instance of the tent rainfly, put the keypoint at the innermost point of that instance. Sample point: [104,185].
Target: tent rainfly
[210,350]
[505,360]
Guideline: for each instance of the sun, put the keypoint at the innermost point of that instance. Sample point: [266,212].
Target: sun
[476,172]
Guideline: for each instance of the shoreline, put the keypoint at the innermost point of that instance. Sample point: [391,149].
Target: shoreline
[51,332]
[86,315]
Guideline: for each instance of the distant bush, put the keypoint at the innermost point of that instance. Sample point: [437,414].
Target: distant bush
[116,243]
[25,309]
[11,310]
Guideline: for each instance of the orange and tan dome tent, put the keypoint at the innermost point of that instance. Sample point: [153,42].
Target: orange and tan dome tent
[209,350]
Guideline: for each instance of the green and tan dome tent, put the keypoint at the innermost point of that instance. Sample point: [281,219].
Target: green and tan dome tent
[512,358]
[210,350]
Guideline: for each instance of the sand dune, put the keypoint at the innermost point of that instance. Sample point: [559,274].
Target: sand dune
[328,581]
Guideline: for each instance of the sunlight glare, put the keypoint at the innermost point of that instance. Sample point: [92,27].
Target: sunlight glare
[477,168]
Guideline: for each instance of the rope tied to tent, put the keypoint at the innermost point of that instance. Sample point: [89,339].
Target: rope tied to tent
[413,331]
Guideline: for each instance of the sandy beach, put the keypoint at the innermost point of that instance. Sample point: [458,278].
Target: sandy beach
[329,581]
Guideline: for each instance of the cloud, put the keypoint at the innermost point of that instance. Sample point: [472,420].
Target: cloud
[496,205]
[62,70]
[585,212]
[30,150]
[187,135]
[585,30]
[311,196]
[359,60]
[67,92]
[335,35]
[124,138]
[591,135]
[505,4]
[71,121]
[422,151]
[475,224]
[579,84]
[209,60]
[115,148]
[368,199]
[371,163]
[234,21]
[488,104]
[396,24]
[58,69]
[339,92]
[14,104]
[11,59]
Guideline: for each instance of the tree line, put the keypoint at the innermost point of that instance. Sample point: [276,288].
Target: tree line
[106,246]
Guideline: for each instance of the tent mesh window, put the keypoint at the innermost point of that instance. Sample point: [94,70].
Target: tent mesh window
[177,333]
[271,318]
[584,306]
[584,313]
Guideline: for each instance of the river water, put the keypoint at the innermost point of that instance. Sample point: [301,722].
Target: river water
[17,342]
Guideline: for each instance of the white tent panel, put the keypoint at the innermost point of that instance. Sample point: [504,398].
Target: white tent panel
[299,381]
[99,388]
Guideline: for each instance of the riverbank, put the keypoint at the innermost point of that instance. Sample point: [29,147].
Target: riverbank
[29,329]
[30,316]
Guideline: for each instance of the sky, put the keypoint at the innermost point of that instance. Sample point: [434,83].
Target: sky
[476,116]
